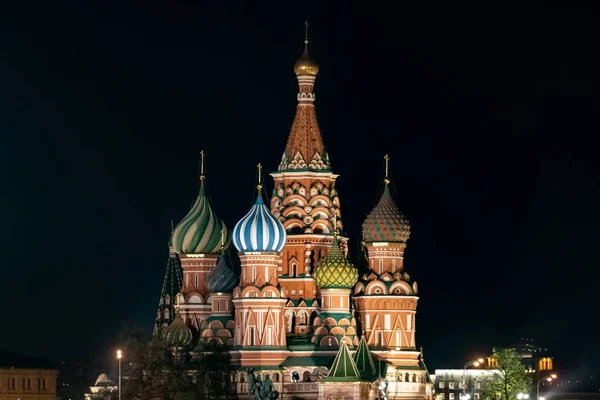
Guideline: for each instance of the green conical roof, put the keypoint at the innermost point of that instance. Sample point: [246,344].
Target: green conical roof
[364,360]
[335,271]
[343,368]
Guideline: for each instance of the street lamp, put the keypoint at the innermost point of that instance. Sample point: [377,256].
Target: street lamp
[119,357]
[476,363]
[522,396]
[547,379]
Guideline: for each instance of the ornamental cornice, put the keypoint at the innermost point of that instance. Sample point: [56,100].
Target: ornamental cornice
[304,174]
[386,253]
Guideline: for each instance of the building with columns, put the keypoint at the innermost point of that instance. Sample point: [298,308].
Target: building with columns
[299,310]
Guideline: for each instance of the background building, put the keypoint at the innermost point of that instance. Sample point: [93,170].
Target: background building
[26,378]
[449,382]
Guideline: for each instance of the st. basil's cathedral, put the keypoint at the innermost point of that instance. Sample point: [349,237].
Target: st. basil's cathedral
[299,311]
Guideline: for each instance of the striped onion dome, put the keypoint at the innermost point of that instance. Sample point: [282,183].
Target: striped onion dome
[259,230]
[178,334]
[386,223]
[199,232]
[222,278]
[335,271]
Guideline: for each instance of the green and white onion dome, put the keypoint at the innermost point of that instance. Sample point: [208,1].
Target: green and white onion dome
[199,232]
[178,334]
[335,271]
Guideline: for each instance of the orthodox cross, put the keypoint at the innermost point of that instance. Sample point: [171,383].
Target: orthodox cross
[202,165]
[387,169]
[306,32]
[259,186]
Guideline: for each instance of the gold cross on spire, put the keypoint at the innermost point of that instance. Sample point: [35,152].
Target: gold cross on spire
[387,169]
[222,239]
[202,165]
[259,186]
[177,303]
[305,32]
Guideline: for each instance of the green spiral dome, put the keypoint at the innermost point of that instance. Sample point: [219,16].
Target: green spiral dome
[199,232]
[335,271]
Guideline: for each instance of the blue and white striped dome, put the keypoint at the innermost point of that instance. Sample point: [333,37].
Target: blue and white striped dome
[259,230]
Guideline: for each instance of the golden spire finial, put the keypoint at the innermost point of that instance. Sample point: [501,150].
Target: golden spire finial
[305,33]
[222,238]
[202,165]
[387,169]
[259,186]
[305,65]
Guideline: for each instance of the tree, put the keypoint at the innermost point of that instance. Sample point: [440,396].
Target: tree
[510,378]
[154,371]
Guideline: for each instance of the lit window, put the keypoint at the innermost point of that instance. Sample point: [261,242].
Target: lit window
[451,385]
[477,385]
[451,396]
[441,385]
[475,396]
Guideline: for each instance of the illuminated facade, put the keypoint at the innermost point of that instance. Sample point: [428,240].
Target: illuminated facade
[299,309]
[26,379]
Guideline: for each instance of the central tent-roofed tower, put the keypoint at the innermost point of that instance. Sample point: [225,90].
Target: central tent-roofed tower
[305,201]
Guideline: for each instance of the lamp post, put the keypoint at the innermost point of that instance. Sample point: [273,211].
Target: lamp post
[476,363]
[119,357]
[522,396]
[546,378]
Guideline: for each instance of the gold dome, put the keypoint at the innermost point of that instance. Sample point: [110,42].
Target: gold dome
[305,65]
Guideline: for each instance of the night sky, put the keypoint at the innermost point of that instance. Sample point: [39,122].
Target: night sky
[490,117]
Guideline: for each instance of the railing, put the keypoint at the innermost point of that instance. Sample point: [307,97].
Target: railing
[301,387]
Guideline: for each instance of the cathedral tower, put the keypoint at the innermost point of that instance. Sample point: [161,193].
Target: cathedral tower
[304,200]
[258,299]
[335,277]
[386,301]
[171,287]
[197,240]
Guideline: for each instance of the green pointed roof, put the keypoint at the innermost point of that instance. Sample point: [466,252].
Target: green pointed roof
[343,368]
[335,271]
[364,360]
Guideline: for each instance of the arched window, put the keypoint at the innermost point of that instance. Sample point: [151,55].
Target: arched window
[295,376]
[380,266]
[393,266]
[306,376]
[379,342]
[196,280]
[293,269]
[253,274]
